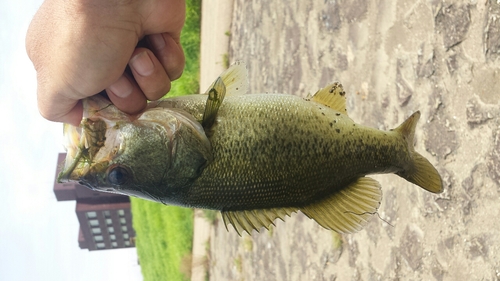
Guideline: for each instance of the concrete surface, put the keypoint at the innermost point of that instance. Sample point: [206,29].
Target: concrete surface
[215,22]
[393,58]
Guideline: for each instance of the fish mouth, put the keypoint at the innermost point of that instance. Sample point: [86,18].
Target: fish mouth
[82,145]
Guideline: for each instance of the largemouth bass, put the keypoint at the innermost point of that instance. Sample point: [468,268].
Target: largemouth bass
[254,157]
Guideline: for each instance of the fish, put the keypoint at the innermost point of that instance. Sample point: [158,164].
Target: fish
[255,158]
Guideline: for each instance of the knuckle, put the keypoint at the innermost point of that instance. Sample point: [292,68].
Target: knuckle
[48,115]
[158,92]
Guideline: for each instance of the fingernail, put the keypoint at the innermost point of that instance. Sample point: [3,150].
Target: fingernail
[122,87]
[142,64]
[157,41]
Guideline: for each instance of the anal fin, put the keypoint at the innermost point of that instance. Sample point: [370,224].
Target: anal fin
[248,220]
[349,209]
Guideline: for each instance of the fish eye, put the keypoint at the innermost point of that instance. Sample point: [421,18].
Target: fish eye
[118,175]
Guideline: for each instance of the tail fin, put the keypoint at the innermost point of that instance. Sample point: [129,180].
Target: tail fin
[420,171]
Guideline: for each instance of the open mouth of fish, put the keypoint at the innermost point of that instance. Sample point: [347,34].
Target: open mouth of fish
[82,144]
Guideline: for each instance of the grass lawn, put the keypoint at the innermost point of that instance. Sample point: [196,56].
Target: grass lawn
[165,233]
[190,39]
[164,240]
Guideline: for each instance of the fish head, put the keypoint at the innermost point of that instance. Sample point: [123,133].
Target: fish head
[150,155]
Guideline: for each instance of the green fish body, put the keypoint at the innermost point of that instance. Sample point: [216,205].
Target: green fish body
[253,157]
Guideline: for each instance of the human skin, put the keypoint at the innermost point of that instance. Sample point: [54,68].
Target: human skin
[82,47]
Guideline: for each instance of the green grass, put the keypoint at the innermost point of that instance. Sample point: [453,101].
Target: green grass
[164,234]
[190,39]
[164,237]
[248,244]
[237,263]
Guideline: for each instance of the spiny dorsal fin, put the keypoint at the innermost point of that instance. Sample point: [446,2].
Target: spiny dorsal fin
[235,78]
[349,209]
[249,220]
[332,96]
[216,95]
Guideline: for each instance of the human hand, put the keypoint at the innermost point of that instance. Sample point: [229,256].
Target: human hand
[81,47]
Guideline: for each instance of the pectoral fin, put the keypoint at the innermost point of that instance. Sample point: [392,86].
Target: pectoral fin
[216,95]
[236,79]
[233,81]
[249,220]
[349,209]
[332,96]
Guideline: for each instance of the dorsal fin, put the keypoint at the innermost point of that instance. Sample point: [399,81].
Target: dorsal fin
[215,97]
[349,209]
[332,96]
[235,78]
[249,220]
